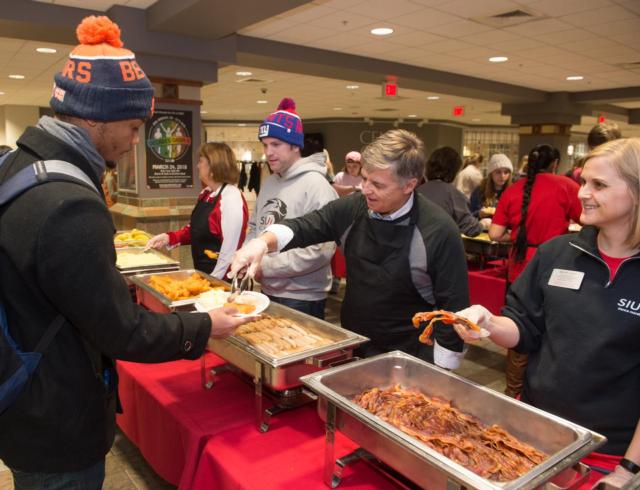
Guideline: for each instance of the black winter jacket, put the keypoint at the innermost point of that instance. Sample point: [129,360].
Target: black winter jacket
[57,256]
[584,362]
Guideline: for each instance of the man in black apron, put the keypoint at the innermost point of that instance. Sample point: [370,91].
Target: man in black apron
[404,254]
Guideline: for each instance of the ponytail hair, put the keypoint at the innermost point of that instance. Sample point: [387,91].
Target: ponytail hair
[540,159]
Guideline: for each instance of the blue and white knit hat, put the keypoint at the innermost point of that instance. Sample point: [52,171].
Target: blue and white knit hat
[101,80]
[283,124]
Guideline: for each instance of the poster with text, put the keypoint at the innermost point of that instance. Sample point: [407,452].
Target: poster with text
[169,151]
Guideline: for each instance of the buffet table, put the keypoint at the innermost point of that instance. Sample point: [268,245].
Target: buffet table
[202,439]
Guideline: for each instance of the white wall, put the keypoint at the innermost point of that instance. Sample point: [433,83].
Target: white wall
[2,131]
[16,119]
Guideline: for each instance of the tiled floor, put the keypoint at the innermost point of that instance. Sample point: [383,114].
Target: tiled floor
[126,469]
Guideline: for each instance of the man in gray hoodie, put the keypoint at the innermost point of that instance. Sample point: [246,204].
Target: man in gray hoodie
[298,278]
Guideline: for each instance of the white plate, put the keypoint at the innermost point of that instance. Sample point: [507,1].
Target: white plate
[261,302]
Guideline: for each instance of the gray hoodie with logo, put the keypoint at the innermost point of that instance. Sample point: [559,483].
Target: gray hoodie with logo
[302,273]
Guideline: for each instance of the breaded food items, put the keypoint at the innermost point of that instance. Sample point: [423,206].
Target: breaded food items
[278,336]
[179,289]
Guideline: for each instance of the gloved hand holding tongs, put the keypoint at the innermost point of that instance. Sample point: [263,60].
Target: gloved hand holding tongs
[246,261]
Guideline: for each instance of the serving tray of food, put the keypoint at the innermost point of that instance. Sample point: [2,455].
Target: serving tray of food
[137,260]
[131,238]
[442,431]
[278,348]
[174,290]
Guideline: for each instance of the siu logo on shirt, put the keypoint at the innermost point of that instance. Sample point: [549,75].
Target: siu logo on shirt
[273,211]
[629,306]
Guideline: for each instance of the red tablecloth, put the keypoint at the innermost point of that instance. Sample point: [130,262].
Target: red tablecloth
[290,455]
[488,287]
[170,417]
[205,439]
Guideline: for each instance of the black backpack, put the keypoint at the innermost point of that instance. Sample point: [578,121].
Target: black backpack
[15,365]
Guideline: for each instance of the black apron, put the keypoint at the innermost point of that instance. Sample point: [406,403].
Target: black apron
[380,298]
[201,237]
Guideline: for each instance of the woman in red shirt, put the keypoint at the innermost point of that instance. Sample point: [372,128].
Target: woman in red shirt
[219,220]
[535,209]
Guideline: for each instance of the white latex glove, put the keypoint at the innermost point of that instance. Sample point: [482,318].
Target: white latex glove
[477,314]
[224,323]
[158,241]
[249,257]
[617,479]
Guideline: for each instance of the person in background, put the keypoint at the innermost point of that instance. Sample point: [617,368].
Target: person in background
[219,220]
[574,310]
[404,254]
[349,180]
[298,278]
[58,264]
[522,169]
[602,133]
[441,168]
[331,175]
[598,135]
[470,176]
[346,182]
[535,209]
[485,198]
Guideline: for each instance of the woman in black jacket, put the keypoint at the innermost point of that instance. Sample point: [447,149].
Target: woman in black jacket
[576,311]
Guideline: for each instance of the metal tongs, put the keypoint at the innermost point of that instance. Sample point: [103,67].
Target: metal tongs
[238,286]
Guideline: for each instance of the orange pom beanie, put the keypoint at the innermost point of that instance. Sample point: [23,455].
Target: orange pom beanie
[101,80]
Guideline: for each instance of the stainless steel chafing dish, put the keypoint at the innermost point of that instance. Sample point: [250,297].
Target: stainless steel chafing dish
[565,442]
[156,301]
[165,263]
[280,376]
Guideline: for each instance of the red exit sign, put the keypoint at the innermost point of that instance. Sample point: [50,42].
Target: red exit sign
[389,89]
[458,111]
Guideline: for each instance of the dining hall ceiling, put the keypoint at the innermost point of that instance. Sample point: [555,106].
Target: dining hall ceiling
[312,50]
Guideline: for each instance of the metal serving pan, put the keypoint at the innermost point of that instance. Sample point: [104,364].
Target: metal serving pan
[563,441]
[282,373]
[165,263]
[156,301]
[483,245]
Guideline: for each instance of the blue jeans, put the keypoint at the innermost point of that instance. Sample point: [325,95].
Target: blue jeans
[88,479]
[313,308]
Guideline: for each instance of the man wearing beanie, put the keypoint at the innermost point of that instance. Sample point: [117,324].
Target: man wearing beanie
[58,268]
[298,278]
[403,253]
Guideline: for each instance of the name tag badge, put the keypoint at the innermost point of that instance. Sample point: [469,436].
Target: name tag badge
[563,278]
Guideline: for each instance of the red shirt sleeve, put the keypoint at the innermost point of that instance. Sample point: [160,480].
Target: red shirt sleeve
[181,236]
[501,216]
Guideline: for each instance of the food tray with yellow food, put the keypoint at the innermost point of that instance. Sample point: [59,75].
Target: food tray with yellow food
[131,238]
[169,291]
[131,260]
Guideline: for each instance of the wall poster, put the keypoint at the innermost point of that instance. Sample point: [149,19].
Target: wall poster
[169,150]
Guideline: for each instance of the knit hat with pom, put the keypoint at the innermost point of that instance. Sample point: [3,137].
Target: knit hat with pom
[101,80]
[284,124]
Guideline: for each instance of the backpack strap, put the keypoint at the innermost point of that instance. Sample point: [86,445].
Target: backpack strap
[50,333]
[40,172]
